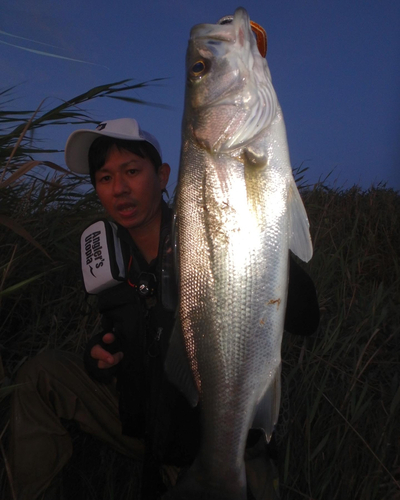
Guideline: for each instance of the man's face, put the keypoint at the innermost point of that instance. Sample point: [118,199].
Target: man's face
[129,188]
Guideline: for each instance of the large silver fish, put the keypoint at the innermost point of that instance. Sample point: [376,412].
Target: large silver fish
[238,213]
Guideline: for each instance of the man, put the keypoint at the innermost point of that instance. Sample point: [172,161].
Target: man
[121,394]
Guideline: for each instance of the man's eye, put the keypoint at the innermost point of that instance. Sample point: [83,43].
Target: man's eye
[104,178]
[132,171]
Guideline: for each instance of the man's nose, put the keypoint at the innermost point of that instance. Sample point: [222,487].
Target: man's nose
[120,186]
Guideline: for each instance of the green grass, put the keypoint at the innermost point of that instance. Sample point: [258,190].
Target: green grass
[338,435]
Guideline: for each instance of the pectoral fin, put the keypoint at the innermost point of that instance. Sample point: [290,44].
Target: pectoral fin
[254,158]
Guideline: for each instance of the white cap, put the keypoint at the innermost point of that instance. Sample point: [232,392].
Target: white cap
[79,142]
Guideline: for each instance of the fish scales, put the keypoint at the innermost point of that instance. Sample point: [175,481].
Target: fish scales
[238,213]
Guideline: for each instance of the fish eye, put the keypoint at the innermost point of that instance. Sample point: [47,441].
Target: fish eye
[198,68]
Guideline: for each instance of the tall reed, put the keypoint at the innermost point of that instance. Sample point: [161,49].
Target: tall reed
[338,434]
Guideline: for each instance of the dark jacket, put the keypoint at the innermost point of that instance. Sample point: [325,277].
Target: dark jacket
[142,326]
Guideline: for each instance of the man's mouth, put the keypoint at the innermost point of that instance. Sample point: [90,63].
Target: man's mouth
[126,209]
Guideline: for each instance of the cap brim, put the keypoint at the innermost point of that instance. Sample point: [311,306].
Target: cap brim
[77,150]
[78,145]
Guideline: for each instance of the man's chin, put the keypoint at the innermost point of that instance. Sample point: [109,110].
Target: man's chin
[127,223]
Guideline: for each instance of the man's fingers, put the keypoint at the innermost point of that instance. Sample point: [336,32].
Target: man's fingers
[105,359]
[97,352]
[112,360]
[108,338]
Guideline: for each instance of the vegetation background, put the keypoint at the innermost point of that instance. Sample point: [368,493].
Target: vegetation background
[338,434]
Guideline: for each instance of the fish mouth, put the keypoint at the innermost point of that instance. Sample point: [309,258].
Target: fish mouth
[216,37]
[227,29]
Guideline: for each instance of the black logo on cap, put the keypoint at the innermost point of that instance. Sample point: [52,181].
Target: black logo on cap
[102,126]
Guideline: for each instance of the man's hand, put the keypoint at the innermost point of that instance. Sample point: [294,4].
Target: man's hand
[106,359]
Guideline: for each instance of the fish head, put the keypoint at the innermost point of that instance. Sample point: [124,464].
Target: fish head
[229,94]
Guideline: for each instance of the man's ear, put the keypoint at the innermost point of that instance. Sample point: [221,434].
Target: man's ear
[163,174]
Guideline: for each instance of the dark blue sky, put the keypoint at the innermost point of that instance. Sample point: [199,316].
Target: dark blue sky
[335,66]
